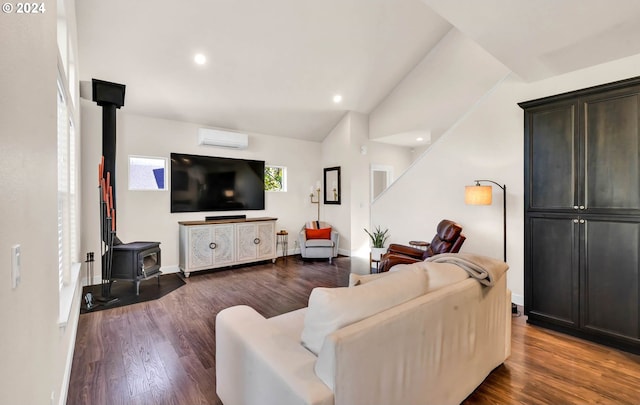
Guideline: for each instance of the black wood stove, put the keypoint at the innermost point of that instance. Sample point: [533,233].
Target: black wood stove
[136,261]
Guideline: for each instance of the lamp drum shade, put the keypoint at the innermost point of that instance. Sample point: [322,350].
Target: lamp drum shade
[478,195]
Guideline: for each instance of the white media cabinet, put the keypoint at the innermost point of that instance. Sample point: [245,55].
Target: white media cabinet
[212,244]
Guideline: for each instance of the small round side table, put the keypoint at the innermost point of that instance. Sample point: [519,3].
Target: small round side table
[283,241]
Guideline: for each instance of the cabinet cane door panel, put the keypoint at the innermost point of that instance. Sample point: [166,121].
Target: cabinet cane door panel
[611,278]
[551,145]
[223,238]
[200,254]
[612,152]
[266,234]
[247,240]
[552,287]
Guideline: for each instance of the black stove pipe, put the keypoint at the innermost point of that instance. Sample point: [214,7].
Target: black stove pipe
[109,96]
[109,144]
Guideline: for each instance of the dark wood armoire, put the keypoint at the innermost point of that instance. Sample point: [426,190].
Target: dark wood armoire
[582,213]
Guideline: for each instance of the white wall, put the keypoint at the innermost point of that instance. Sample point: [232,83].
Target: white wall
[343,147]
[447,82]
[359,184]
[486,143]
[145,215]
[398,158]
[335,152]
[33,349]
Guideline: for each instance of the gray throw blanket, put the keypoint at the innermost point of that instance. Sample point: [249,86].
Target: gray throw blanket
[484,269]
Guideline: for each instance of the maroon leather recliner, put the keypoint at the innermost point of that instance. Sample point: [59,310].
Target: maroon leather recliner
[448,239]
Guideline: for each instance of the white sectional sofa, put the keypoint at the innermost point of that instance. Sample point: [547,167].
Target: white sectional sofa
[428,333]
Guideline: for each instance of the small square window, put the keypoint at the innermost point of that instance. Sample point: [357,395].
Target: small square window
[275,178]
[147,173]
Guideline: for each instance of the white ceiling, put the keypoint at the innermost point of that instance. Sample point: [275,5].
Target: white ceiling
[538,39]
[273,66]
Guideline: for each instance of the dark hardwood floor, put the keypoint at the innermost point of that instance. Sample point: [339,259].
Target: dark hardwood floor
[163,351]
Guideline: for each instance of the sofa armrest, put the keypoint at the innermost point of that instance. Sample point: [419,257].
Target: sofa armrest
[335,237]
[257,363]
[302,241]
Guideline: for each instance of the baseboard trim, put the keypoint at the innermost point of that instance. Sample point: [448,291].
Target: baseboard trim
[170,269]
[517,299]
[344,252]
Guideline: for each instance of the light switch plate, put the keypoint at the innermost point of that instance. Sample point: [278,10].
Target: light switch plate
[15,266]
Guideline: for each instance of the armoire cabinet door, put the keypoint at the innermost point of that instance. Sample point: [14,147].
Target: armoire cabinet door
[612,152]
[552,278]
[611,278]
[551,157]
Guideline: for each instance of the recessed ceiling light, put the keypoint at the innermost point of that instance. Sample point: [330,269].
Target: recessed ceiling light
[419,139]
[337,98]
[200,59]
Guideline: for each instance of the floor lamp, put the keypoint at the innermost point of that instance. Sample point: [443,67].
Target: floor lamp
[481,195]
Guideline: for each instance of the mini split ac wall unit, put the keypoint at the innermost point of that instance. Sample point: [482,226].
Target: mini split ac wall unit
[222,139]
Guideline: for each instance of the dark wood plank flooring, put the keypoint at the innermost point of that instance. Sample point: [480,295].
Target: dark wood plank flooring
[163,352]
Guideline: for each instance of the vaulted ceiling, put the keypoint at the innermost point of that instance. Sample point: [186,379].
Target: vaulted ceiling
[274,66]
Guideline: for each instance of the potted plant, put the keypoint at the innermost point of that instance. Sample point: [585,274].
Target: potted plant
[378,238]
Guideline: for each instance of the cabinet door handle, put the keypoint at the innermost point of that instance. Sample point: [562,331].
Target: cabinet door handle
[575,207]
[212,245]
[256,240]
[582,207]
[582,221]
[575,221]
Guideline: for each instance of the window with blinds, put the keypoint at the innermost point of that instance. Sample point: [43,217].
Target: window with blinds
[67,190]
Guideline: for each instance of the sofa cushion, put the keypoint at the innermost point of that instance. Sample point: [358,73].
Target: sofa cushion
[319,243]
[323,233]
[333,308]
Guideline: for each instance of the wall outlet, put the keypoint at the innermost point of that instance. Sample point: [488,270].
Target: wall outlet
[15,266]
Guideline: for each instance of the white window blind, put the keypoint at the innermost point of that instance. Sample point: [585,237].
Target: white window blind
[67,191]
[74,208]
[63,181]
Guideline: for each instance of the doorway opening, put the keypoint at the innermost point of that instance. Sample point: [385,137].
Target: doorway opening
[381,178]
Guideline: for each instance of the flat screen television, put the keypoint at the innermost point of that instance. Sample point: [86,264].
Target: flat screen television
[207,183]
